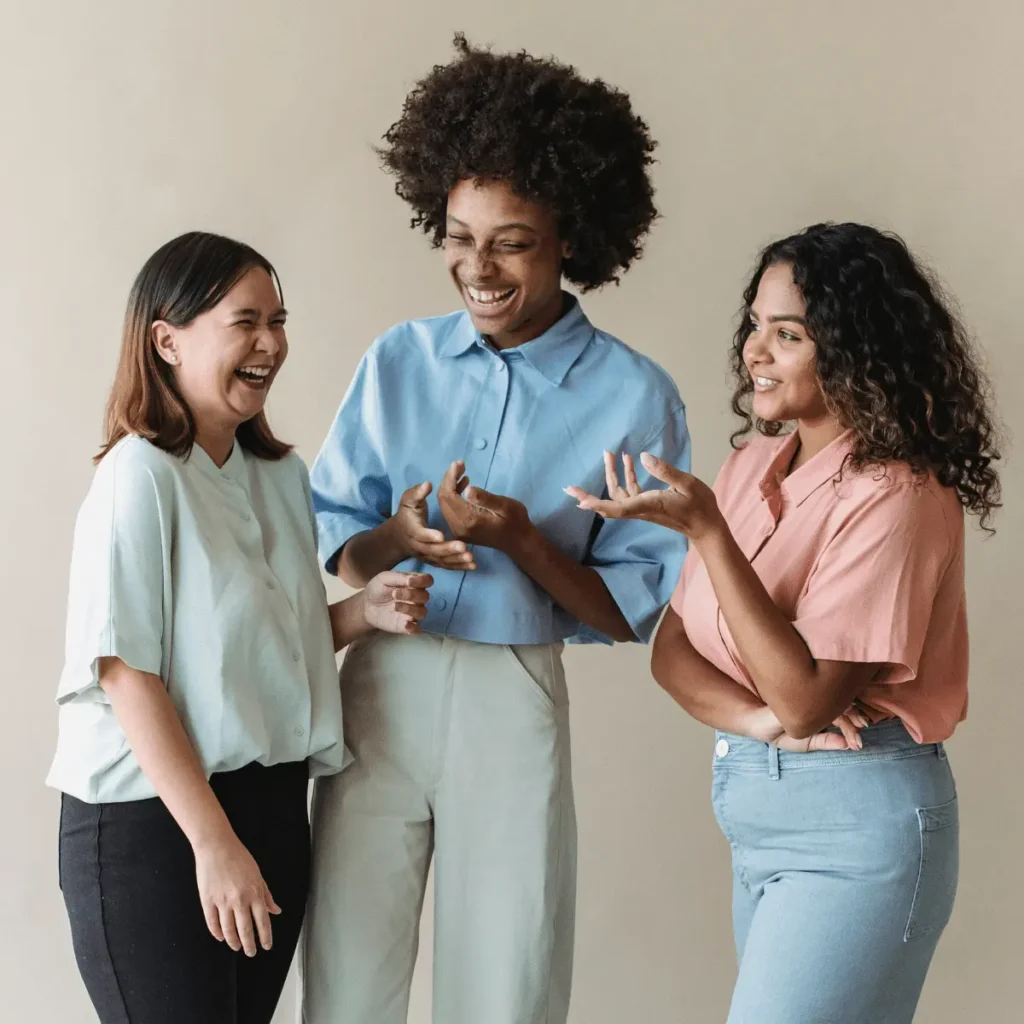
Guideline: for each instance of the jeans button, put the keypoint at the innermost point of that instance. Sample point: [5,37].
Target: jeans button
[721,748]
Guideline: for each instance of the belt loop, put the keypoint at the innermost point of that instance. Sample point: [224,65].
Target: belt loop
[941,751]
[773,761]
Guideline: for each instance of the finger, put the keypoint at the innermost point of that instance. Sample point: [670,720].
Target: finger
[228,929]
[460,487]
[425,535]
[827,741]
[580,495]
[420,581]
[452,475]
[850,732]
[661,470]
[484,499]
[410,596]
[243,922]
[442,549]
[269,901]
[261,916]
[413,612]
[405,581]
[457,563]
[416,494]
[213,920]
[629,471]
[611,476]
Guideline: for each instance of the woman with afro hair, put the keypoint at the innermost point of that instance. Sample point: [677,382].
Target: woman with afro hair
[825,584]
[451,450]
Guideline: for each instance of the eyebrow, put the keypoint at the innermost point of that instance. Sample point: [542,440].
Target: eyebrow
[791,318]
[255,313]
[500,227]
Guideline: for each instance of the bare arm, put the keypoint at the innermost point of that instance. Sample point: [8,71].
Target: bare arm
[231,887]
[577,588]
[806,694]
[700,689]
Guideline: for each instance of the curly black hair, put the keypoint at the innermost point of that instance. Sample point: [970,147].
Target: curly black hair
[554,137]
[894,360]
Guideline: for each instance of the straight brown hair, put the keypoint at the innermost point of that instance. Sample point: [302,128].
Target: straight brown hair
[183,279]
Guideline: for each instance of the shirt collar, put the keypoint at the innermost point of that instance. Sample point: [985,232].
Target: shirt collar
[803,482]
[233,469]
[552,353]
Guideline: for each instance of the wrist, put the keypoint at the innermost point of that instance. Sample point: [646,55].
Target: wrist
[394,543]
[525,544]
[215,836]
[713,539]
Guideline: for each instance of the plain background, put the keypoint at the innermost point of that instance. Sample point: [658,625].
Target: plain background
[123,124]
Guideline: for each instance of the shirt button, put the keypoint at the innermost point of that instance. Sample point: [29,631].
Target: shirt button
[439,603]
[271,585]
[295,655]
[299,731]
[246,516]
[481,443]
[721,748]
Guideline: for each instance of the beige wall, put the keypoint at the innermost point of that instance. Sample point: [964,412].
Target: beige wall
[123,123]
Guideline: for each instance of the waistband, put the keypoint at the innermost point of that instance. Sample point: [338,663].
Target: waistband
[885,741]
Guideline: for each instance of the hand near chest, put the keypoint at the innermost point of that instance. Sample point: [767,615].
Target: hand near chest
[476,516]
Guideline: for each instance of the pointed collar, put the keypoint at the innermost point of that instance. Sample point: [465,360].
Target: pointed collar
[552,353]
[803,482]
[233,469]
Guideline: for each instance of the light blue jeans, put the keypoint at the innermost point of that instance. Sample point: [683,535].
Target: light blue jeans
[844,874]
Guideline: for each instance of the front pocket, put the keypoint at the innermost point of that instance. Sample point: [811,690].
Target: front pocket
[939,829]
[539,667]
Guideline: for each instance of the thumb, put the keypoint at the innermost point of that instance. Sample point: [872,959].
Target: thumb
[419,493]
[661,470]
[476,496]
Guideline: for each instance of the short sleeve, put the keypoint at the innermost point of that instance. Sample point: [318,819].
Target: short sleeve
[870,597]
[351,487]
[116,596]
[640,562]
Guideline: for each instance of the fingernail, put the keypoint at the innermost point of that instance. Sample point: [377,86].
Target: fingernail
[645,458]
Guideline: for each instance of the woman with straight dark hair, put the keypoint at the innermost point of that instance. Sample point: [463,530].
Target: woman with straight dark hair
[825,584]
[199,690]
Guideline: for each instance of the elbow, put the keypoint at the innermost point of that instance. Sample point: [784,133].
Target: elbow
[801,723]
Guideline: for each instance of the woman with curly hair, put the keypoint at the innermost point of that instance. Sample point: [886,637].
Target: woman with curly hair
[826,584]
[526,175]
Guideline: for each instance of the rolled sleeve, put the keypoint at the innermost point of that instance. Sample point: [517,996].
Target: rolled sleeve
[870,597]
[349,479]
[117,589]
[640,562]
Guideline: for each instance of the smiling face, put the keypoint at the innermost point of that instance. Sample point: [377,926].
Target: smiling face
[226,359]
[779,353]
[505,257]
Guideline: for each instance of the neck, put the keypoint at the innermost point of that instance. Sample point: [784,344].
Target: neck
[815,435]
[216,440]
[544,320]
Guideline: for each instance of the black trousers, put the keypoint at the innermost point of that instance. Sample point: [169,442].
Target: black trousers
[129,881]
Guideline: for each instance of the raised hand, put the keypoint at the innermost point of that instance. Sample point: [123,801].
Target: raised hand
[414,537]
[395,602]
[476,516]
[687,505]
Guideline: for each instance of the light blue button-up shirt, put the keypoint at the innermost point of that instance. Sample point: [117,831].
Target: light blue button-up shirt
[527,422]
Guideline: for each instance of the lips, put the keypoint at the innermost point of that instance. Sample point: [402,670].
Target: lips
[491,300]
[255,376]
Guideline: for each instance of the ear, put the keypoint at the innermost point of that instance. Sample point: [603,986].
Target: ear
[566,251]
[164,341]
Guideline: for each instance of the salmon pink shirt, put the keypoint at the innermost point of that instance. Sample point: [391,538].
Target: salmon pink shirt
[867,567]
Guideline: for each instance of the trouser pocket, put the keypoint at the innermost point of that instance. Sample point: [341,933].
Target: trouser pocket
[939,829]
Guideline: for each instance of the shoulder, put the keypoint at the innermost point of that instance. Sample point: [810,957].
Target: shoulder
[633,368]
[904,499]
[415,339]
[135,463]
[289,472]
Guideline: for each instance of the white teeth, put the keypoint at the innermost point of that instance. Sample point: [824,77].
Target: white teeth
[765,382]
[488,298]
[255,371]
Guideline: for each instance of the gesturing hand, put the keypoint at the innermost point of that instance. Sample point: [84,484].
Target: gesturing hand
[414,537]
[395,602]
[688,505]
[479,517]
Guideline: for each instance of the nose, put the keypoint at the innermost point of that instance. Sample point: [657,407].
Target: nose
[756,349]
[480,265]
[268,341]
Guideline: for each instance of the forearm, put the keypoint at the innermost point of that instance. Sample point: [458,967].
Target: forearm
[159,742]
[786,675]
[577,588]
[348,620]
[369,553]
[701,690]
